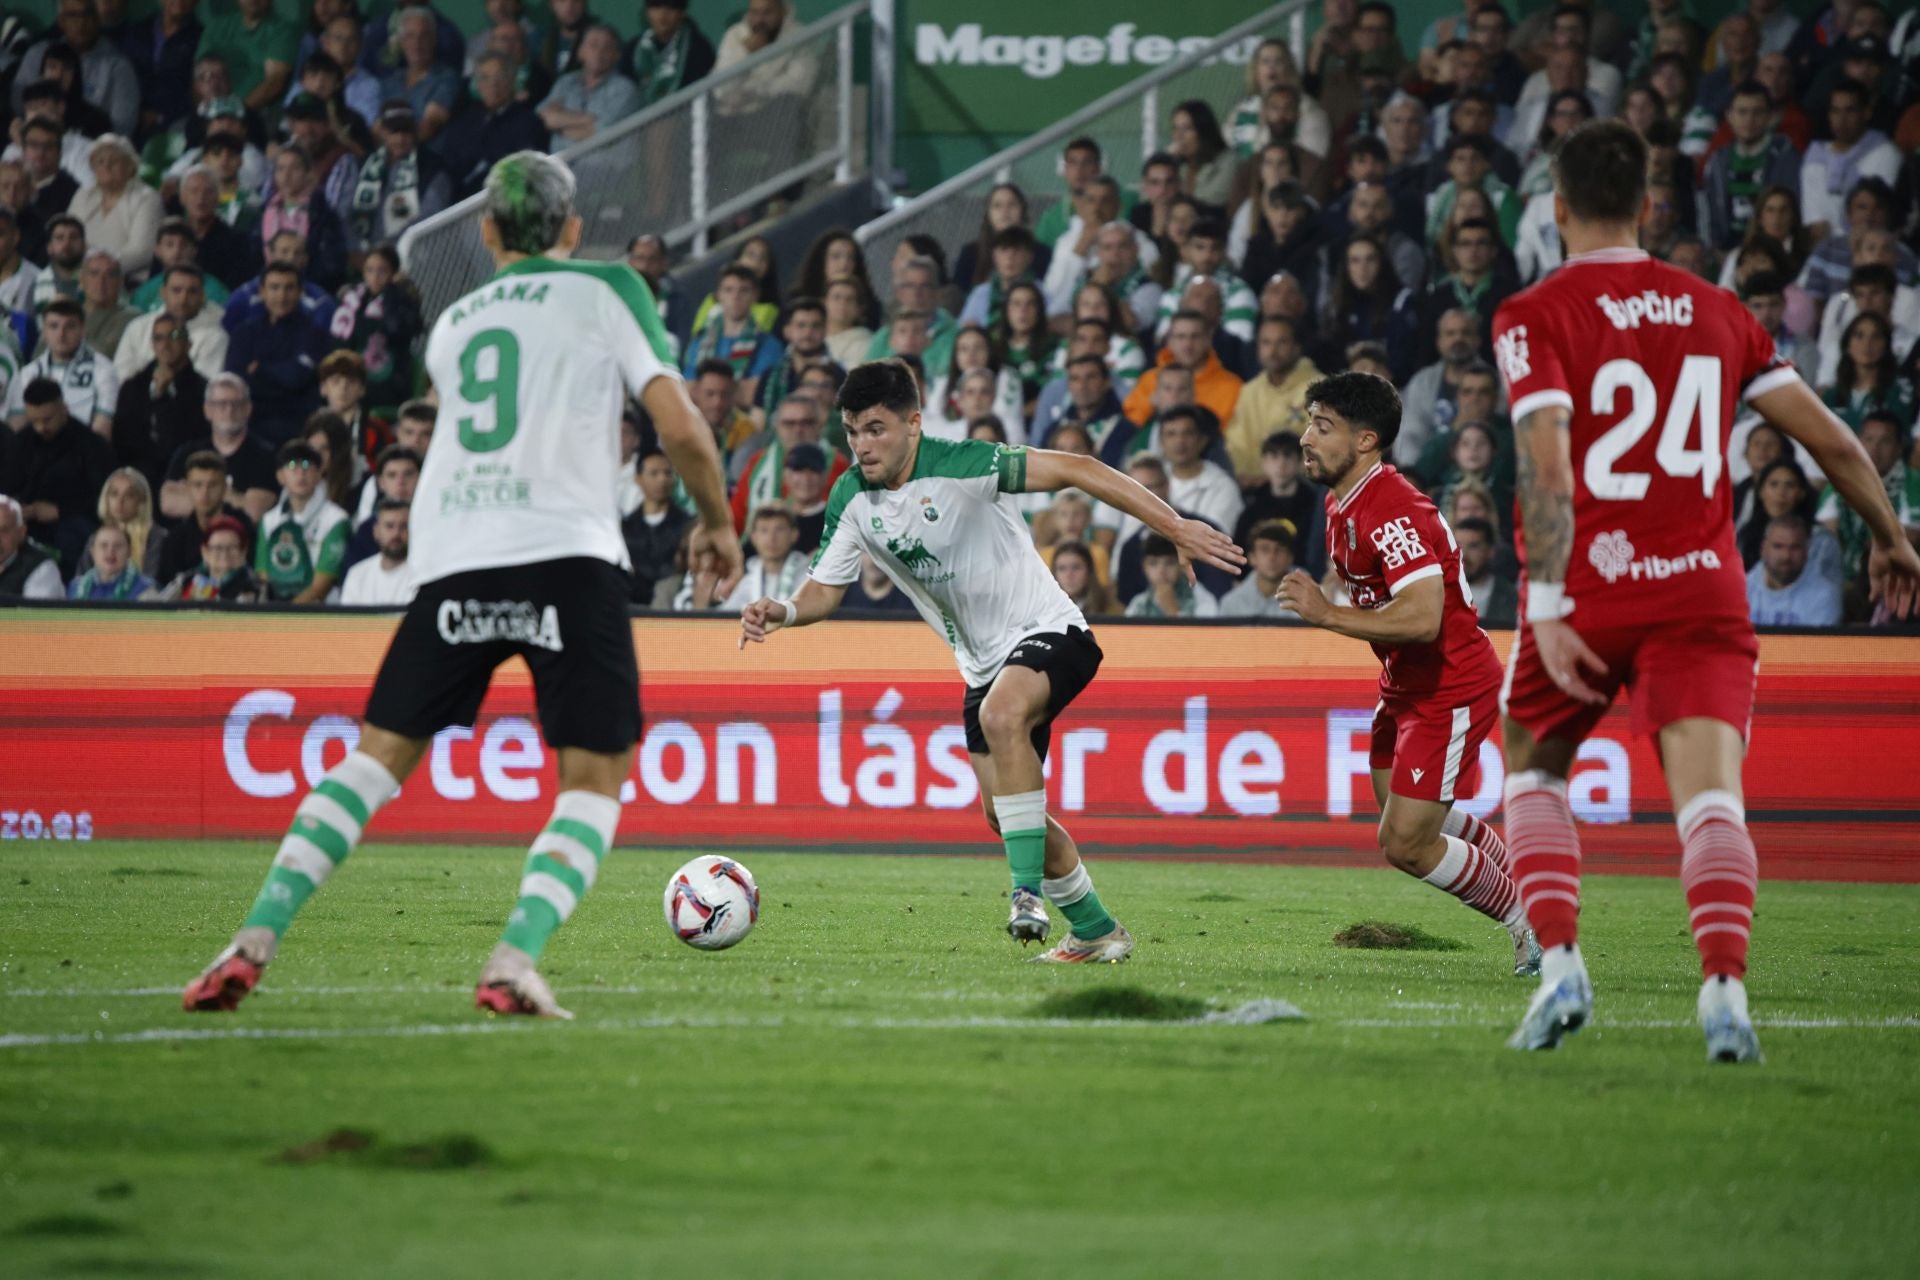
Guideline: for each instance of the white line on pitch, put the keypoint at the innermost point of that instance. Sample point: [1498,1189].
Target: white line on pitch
[163,1035]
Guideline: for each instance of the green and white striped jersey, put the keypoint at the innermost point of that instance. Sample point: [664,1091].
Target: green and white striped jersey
[533,368]
[954,541]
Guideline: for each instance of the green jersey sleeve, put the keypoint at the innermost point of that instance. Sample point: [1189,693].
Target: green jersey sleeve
[333,548]
[837,562]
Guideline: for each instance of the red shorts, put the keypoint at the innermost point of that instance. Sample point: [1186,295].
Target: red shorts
[1433,747]
[1671,672]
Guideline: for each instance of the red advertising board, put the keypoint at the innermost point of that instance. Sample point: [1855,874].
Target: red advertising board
[1241,742]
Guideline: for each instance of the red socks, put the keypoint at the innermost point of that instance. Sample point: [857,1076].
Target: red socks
[1720,872]
[1544,855]
[1478,834]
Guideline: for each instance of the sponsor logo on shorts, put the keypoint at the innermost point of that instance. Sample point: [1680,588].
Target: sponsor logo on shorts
[1612,557]
[485,621]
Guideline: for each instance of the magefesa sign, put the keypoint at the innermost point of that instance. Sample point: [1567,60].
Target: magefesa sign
[997,67]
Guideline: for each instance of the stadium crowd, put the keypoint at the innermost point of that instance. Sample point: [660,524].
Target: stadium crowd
[210,367]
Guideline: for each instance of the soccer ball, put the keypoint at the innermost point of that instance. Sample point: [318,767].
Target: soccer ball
[712,903]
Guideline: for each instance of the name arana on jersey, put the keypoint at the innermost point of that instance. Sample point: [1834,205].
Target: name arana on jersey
[528,291]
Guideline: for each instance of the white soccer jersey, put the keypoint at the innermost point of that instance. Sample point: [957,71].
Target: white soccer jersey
[88,383]
[532,369]
[955,543]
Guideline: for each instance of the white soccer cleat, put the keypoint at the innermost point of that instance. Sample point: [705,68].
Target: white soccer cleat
[510,984]
[1109,948]
[1723,1017]
[1027,919]
[1526,954]
[1557,1010]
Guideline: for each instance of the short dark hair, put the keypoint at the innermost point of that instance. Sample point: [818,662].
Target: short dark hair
[1093,360]
[888,384]
[1600,170]
[1847,84]
[1188,313]
[1156,547]
[296,450]
[420,411]
[176,227]
[185,269]
[1365,400]
[1750,89]
[59,220]
[1208,229]
[204,460]
[712,366]
[1160,160]
[1378,6]
[1094,322]
[1763,284]
[1478,143]
[42,391]
[396,453]
[65,307]
[1874,275]
[1792,520]
[1184,413]
[777,511]
[735,271]
[1283,532]
[384,504]
[280,269]
[1474,524]
[1281,442]
[802,303]
[1367,145]
[1083,143]
[1879,188]
[1015,237]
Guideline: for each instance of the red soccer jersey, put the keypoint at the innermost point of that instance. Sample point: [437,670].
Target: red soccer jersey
[1385,534]
[1651,362]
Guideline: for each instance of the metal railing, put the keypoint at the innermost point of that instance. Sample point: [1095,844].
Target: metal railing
[1128,123]
[774,122]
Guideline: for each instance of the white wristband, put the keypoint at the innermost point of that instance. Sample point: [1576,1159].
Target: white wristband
[1547,602]
[792,612]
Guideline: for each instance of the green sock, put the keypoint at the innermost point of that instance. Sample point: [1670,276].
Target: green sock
[325,828]
[1023,829]
[561,867]
[1073,893]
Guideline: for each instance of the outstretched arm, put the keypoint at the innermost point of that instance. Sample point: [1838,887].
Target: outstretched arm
[1795,410]
[1545,491]
[814,601]
[1049,470]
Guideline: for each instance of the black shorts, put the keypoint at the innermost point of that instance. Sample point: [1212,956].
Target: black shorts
[567,618]
[1068,659]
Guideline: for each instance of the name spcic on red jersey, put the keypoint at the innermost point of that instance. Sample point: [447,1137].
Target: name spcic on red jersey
[1650,307]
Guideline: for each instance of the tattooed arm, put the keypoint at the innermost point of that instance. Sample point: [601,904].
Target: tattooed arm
[1544,471]
[1545,490]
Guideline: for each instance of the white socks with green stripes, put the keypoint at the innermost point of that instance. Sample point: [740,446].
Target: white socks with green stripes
[560,867]
[325,829]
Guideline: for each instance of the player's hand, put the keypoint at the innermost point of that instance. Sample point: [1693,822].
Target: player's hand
[728,561]
[1563,653]
[1198,540]
[761,619]
[1300,593]
[1893,576]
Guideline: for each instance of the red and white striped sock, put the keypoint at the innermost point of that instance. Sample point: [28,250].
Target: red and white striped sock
[1545,855]
[1477,880]
[1478,834]
[1720,872]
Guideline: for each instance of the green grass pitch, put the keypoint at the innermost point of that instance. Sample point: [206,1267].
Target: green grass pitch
[862,1089]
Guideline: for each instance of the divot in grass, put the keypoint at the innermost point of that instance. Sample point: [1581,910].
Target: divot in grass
[1381,935]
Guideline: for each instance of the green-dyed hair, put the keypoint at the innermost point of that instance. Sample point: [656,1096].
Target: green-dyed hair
[529,198]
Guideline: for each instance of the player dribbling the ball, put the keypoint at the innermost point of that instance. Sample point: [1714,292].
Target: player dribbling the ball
[937,516]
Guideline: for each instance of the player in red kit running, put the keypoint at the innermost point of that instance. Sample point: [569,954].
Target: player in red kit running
[1624,375]
[1439,678]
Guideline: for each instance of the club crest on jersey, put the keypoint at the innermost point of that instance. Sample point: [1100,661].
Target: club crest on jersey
[929,512]
[878,525]
[1397,542]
